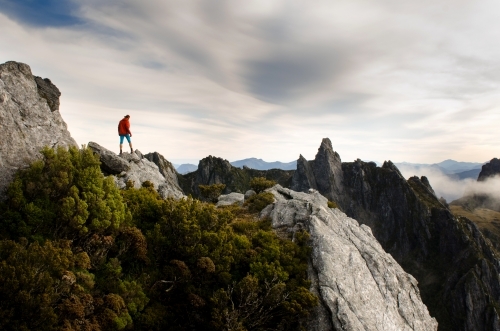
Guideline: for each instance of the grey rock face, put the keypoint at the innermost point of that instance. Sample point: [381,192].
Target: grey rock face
[28,121]
[311,174]
[231,198]
[111,164]
[166,168]
[444,253]
[360,286]
[490,169]
[129,166]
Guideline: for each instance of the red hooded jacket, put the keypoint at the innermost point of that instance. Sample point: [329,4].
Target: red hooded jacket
[124,127]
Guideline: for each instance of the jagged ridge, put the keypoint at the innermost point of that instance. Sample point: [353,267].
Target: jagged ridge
[456,268]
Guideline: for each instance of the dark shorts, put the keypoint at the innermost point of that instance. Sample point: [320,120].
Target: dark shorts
[124,136]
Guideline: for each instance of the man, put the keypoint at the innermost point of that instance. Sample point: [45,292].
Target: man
[124,132]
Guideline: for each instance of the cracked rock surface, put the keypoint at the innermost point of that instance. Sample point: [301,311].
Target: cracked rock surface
[360,286]
[29,119]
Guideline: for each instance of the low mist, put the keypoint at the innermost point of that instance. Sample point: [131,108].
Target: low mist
[450,188]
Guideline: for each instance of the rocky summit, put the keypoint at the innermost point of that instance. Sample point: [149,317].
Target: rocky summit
[29,117]
[456,267]
[136,169]
[360,286]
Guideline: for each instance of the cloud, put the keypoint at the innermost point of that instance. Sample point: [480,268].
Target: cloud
[490,187]
[451,188]
[413,81]
[443,185]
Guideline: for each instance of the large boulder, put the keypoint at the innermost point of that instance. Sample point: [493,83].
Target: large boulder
[456,267]
[360,286]
[131,167]
[231,198]
[29,119]
[111,164]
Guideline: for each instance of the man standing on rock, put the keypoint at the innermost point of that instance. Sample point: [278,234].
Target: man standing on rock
[124,132]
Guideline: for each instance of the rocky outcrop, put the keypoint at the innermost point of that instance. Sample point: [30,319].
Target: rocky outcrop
[111,164]
[457,269]
[29,119]
[360,286]
[311,174]
[231,198]
[131,167]
[215,170]
[490,169]
[166,168]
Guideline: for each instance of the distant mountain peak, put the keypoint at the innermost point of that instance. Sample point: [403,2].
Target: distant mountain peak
[260,164]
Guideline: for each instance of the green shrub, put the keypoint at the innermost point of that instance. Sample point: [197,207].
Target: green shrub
[259,201]
[211,192]
[259,184]
[61,196]
[332,204]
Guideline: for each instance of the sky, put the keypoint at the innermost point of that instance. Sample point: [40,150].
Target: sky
[414,81]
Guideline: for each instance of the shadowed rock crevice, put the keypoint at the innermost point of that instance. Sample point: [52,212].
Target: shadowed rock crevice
[49,92]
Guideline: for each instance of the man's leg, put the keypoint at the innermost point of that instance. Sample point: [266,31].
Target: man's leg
[121,143]
[129,143]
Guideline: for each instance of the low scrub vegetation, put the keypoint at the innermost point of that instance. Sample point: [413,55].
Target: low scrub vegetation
[78,254]
[259,201]
[259,184]
[211,192]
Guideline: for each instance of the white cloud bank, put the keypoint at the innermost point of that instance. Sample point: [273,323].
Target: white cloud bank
[450,188]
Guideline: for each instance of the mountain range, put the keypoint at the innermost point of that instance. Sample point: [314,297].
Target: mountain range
[453,169]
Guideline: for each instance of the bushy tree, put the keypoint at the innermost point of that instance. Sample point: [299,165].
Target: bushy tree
[211,192]
[259,201]
[259,184]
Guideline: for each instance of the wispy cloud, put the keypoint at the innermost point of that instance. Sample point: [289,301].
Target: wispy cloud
[384,80]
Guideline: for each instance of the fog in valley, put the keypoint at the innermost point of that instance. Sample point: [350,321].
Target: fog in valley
[450,188]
